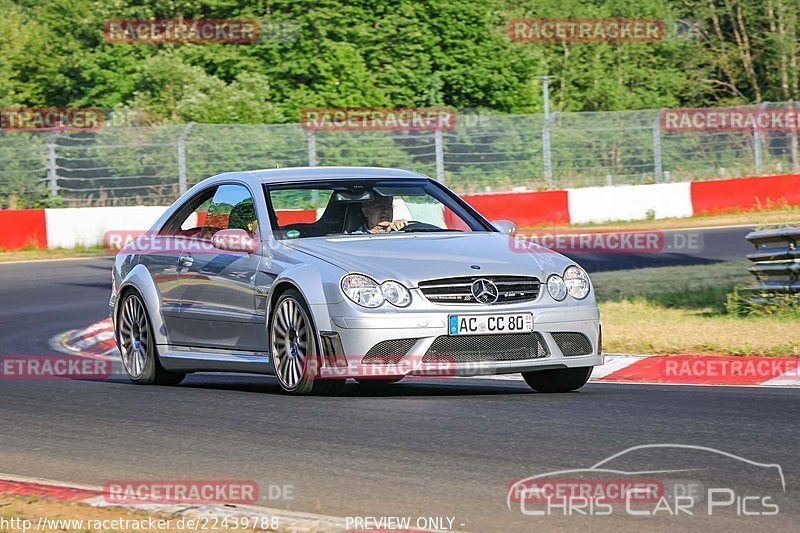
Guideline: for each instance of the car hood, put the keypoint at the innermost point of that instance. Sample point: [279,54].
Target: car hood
[411,258]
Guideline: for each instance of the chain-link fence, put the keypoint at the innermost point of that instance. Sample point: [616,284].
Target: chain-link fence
[483,153]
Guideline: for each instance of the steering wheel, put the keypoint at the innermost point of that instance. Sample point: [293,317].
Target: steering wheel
[415,225]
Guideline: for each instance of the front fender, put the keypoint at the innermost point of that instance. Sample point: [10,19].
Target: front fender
[317,288]
[140,279]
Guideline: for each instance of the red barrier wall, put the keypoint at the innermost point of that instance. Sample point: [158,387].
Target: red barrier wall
[523,208]
[745,193]
[285,216]
[295,216]
[20,228]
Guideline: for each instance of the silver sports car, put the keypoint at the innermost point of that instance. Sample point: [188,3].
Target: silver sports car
[321,274]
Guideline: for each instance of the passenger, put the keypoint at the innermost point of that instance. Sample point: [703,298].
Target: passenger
[243,216]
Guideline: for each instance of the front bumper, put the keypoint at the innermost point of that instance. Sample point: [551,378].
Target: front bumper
[359,333]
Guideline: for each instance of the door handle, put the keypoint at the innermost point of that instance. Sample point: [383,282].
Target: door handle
[185,260]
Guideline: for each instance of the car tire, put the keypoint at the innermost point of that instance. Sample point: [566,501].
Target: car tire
[367,382]
[137,345]
[294,349]
[558,380]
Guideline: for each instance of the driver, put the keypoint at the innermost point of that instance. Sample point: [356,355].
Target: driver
[378,214]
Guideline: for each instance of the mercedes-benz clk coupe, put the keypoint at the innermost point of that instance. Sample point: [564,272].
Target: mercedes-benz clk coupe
[321,274]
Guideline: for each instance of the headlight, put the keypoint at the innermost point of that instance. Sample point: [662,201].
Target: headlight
[362,290]
[556,287]
[577,282]
[395,293]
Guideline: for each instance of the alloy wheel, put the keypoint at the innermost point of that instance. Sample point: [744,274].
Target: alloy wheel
[290,342]
[134,336]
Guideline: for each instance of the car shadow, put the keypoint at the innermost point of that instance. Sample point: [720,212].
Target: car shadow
[408,388]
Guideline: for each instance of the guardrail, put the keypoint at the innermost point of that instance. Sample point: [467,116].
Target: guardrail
[776,263]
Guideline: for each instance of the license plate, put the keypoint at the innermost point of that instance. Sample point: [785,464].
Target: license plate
[487,324]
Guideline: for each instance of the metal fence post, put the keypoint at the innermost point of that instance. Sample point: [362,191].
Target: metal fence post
[312,148]
[439,151]
[546,155]
[182,157]
[52,169]
[657,165]
[759,160]
[311,138]
[793,141]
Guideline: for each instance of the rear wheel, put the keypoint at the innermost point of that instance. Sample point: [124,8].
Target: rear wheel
[558,380]
[293,347]
[138,347]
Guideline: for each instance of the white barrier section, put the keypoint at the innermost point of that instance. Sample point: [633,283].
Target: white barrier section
[430,213]
[630,202]
[85,226]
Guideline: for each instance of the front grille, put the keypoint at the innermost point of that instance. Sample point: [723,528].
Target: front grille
[477,348]
[573,343]
[511,289]
[388,352]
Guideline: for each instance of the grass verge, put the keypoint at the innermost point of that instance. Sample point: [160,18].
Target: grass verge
[674,310]
[784,214]
[33,254]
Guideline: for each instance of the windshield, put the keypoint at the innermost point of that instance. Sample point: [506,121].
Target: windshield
[366,207]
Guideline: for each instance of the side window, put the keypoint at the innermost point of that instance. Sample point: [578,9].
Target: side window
[189,219]
[232,207]
[196,218]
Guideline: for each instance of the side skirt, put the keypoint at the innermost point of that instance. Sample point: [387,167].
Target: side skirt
[183,359]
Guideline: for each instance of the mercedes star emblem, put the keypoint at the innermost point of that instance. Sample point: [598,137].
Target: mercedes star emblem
[485,291]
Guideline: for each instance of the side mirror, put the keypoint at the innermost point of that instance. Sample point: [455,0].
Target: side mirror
[506,227]
[234,240]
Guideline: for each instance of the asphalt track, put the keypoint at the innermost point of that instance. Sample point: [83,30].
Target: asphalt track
[423,448]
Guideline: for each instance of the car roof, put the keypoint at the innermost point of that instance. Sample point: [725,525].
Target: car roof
[321,173]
